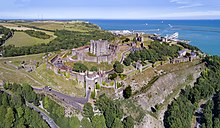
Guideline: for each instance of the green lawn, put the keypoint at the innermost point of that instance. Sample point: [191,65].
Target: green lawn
[101,66]
[51,25]
[22,39]
[41,77]
[58,82]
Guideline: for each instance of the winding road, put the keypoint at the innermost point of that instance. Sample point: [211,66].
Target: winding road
[75,102]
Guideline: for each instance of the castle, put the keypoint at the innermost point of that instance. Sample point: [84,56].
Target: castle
[90,79]
[98,51]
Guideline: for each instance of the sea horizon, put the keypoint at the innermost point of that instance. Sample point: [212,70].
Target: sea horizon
[203,33]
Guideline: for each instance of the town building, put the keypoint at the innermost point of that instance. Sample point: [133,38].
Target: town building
[182,53]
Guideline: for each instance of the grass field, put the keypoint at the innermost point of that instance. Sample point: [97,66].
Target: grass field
[101,66]
[11,74]
[40,78]
[59,83]
[22,39]
[52,25]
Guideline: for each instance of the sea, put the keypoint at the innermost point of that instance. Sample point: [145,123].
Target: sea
[205,34]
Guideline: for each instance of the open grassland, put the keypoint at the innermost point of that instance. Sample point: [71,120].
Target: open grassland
[22,39]
[9,73]
[101,66]
[40,77]
[15,27]
[58,82]
[22,28]
[52,25]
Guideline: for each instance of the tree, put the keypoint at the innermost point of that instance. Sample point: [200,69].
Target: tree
[29,94]
[112,76]
[74,122]
[20,112]
[94,68]
[110,109]
[128,122]
[118,67]
[88,110]
[9,118]
[127,92]
[85,123]
[98,121]
[109,117]
[3,111]
[5,99]
[127,61]
[216,123]
[79,67]
[117,124]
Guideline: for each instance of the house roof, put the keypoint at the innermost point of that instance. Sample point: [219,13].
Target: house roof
[182,51]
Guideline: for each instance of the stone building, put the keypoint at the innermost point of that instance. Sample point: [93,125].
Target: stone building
[99,47]
[139,66]
[103,52]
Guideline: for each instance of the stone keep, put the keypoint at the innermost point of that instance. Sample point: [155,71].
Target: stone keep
[99,47]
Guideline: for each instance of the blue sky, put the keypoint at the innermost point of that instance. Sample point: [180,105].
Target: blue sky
[110,9]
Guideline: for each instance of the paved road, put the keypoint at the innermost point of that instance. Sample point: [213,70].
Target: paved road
[70,100]
[49,120]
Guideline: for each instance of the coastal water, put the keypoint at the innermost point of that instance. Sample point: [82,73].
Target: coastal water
[205,34]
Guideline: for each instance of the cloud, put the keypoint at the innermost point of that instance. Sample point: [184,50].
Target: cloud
[186,3]
[191,5]
[179,1]
[192,15]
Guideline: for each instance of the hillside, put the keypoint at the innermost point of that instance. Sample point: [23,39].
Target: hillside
[64,35]
[20,39]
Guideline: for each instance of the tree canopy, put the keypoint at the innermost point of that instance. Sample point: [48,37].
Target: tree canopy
[79,67]
[127,92]
[15,113]
[155,52]
[64,40]
[180,112]
[37,34]
[118,67]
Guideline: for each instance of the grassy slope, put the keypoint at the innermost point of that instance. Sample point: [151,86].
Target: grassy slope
[59,82]
[22,39]
[11,74]
[72,26]
[41,77]
[101,66]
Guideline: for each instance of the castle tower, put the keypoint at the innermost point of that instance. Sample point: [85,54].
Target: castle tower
[99,47]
